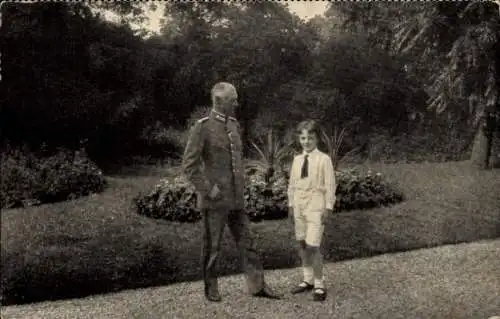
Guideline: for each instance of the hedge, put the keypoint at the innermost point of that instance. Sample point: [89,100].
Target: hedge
[175,199]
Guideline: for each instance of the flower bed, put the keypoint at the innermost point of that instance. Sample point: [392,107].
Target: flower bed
[175,200]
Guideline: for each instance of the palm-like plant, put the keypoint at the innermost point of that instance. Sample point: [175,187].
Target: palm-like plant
[272,153]
[334,145]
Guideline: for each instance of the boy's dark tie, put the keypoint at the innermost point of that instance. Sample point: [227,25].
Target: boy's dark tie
[305,166]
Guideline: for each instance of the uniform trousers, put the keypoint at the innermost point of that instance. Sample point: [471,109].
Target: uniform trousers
[239,226]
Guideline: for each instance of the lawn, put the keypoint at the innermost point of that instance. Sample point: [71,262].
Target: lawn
[98,244]
[456,282]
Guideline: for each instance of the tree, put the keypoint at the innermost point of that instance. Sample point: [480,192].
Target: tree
[44,66]
[216,45]
[461,40]
[468,35]
[378,93]
[70,76]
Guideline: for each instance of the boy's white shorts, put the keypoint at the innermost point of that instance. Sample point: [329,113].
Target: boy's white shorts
[308,220]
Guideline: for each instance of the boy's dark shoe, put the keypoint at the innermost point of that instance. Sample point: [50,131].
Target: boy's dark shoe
[267,292]
[319,294]
[302,287]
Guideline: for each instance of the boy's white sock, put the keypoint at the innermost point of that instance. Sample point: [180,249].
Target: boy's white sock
[319,283]
[308,274]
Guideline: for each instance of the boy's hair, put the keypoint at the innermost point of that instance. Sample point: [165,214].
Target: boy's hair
[311,126]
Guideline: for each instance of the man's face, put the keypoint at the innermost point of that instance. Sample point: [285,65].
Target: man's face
[308,140]
[228,103]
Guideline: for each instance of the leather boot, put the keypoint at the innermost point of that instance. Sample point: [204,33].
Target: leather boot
[212,290]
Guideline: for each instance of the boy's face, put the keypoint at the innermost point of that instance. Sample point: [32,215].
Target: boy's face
[308,141]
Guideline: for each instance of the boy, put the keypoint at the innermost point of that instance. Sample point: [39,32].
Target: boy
[311,197]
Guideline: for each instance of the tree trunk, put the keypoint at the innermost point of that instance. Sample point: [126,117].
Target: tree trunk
[481,149]
[495,151]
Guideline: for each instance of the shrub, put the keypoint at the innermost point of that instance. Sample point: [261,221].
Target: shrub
[168,142]
[175,200]
[30,180]
[272,154]
[164,141]
[19,179]
[356,191]
[428,142]
[334,144]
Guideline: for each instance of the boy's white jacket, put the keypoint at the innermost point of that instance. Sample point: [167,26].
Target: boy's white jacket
[320,180]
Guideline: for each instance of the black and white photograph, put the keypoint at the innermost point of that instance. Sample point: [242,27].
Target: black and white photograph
[250,159]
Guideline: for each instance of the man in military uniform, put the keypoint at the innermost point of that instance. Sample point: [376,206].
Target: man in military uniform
[213,163]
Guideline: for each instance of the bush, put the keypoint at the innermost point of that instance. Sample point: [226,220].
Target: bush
[168,142]
[175,200]
[356,191]
[163,142]
[170,200]
[427,142]
[28,179]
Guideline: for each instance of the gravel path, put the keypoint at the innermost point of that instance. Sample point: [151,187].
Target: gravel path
[456,281]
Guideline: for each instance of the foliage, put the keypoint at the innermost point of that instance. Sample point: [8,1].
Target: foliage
[175,200]
[72,75]
[254,64]
[369,85]
[164,142]
[358,191]
[458,39]
[197,114]
[272,154]
[467,34]
[300,99]
[450,48]
[334,144]
[426,143]
[376,20]
[130,14]
[28,179]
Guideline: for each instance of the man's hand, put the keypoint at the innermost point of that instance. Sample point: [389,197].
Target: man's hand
[326,213]
[291,216]
[214,193]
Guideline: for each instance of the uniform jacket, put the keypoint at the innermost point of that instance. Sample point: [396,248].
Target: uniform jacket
[213,155]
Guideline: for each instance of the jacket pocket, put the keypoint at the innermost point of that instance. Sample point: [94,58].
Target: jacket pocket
[220,145]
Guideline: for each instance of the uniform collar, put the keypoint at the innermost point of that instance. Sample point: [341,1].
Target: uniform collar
[313,152]
[221,117]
